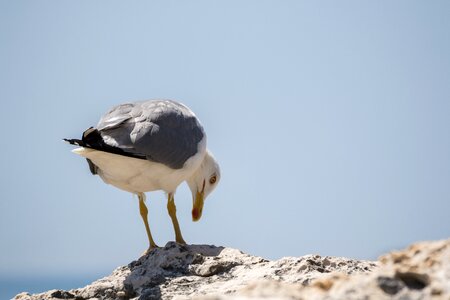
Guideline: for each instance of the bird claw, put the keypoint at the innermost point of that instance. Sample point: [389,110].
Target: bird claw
[150,249]
[180,241]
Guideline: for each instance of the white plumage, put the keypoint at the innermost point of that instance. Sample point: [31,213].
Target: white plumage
[139,175]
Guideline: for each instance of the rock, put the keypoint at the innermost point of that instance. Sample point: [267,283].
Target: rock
[421,271]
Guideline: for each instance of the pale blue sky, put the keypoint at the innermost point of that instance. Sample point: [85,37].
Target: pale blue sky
[330,120]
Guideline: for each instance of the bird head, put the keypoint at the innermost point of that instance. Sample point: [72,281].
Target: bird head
[202,183]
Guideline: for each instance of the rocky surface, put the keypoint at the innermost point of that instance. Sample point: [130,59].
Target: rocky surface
[421,271]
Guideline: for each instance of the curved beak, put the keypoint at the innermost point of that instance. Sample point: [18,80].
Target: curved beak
[197,207]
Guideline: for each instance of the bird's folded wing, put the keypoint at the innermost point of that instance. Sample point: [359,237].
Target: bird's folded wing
[162,131]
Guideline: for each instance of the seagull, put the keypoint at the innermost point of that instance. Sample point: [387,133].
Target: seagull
[151,145]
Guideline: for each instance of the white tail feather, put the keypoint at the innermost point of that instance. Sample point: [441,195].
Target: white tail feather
[82,151]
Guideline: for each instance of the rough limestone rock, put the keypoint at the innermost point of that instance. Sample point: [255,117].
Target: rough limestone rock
[422,271]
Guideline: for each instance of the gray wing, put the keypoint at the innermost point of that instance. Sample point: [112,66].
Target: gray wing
[163,131]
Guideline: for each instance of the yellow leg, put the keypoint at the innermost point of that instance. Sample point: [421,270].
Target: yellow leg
[172,209]
[144,212]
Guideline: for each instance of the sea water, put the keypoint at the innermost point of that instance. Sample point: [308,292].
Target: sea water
[9,287]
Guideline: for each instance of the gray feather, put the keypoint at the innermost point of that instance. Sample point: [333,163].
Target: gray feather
[163,131]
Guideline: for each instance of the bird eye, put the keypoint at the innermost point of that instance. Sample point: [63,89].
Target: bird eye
[213,179]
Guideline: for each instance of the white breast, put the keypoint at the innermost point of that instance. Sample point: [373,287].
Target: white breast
[140,175]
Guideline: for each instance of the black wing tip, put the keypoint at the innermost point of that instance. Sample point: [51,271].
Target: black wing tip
[75,142]
[90,134]
[93,139]
[88,131]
